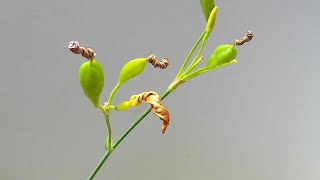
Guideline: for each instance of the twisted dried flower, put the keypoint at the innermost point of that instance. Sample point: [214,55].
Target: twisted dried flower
[164,63]
[246,38]
[75,47]
[158,109]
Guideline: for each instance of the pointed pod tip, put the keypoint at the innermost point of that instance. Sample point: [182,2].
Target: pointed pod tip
[212,20]
[234,61]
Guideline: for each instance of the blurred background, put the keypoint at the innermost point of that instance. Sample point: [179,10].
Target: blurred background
[256,120]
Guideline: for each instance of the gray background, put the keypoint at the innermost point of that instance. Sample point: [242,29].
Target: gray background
[256,120]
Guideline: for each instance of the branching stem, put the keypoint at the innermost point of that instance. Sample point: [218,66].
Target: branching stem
[189,55]
[107,154]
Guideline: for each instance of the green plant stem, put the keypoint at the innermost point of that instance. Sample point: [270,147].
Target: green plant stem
[113,92]
[94,172]
[204,70]
[106,116]
[107,154]
[189,55]
[192,65]
[109,131]
[194,74]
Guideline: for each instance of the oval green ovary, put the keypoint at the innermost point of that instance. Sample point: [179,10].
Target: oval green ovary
[223,54]
[124,106]
[92,80]
[132,69]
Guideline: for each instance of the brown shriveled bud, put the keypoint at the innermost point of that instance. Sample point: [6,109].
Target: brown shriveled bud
[152,98]
[248,37]
[158,109]
[164,63]
[75,47]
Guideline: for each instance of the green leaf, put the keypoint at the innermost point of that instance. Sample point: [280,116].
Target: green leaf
[207,6]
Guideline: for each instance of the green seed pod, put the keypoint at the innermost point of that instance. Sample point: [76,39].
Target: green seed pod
[92,80]
[207,6]
[223,54]
[132,69]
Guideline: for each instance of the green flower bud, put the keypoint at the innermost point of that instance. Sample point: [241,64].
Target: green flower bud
[124,106]
[92,80]
[212,20]
[222,55]
[132,69]
[207,6]
[108,144]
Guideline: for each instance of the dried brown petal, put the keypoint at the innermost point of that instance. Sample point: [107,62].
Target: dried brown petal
[75,47]
[158,109]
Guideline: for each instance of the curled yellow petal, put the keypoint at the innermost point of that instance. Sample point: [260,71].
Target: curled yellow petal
[135,100]
[154,100]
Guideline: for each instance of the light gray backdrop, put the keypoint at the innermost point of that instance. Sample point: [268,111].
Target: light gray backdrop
[256,120]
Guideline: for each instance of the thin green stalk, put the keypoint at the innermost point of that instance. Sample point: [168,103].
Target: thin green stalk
[106,116]
[204,70]
[194,74]
[191,66]
[113,92]
[94,172]
[189,55]
[107,154]
[109,132]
